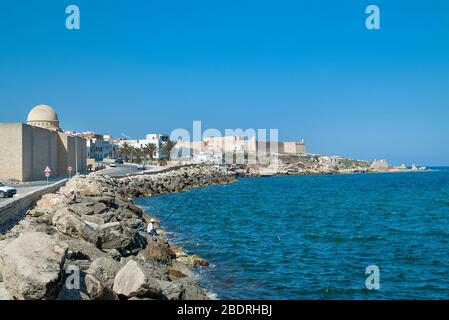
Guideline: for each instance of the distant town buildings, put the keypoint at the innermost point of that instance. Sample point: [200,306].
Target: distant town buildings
[157,140]
[235,144]
[380,165]
[27,149]
[98,147]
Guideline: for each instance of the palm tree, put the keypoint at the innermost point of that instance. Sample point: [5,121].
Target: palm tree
[167,147]
[135,154]
[149,150]
[125,150]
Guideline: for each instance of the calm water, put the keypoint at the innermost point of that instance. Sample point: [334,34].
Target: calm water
[313,237]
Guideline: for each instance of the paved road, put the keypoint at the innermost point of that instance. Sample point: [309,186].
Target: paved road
[124,169]
[25,188]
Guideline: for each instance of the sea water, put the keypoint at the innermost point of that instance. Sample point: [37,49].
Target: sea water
[313,237]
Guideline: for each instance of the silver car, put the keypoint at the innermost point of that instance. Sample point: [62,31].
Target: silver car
[7,192]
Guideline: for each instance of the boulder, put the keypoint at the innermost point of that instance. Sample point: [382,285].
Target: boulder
[159,251]
[183,289]
[84,208]
[174,273]
[193,261]
[105,270]
[31,266]
[44,219]
[4,295]
[178,268]
[191,290]
[68,223]
[132,281]
[52,202]
[94,219]
[80,250]
[111,235]
[97,291]
[99,208]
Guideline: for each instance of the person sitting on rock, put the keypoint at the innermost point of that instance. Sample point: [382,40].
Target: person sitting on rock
[151,228]
[71,197]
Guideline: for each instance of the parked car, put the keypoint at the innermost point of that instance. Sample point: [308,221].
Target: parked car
[141,167]
[119,161]
[7,192]
[113,165]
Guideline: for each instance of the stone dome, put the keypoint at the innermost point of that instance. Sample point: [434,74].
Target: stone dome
[43,116]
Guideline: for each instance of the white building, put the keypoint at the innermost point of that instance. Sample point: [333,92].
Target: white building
[99,149]
[157,139]
[208,157]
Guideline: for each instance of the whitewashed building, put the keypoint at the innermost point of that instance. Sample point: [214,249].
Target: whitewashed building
[156,139]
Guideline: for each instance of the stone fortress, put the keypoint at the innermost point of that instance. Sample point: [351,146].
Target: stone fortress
[27,149]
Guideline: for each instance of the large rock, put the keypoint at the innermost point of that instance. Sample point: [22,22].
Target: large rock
[183,289]
[83,187]
[105,270]
[191,290]
[31,266]
[97,290]
[99,208]
[52,202]
[68,223]
[112,235]
[80,250]
[94,219]
[159,251]
[193,261]
[133,281]
[84,208]
[4,295]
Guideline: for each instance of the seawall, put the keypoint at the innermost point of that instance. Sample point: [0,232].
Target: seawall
[15,209]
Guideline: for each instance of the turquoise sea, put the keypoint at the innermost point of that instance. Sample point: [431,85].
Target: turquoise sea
[312,237]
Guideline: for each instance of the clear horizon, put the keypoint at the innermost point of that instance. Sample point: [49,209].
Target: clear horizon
[311,70]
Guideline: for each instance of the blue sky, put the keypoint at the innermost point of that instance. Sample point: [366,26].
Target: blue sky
[308,68]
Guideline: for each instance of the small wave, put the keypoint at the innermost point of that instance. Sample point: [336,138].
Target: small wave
[212,295]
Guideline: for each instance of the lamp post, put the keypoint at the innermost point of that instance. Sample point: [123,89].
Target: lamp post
[76,155]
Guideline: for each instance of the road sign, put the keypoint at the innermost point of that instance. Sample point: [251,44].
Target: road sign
[47,170]
[47,174]
[70,169]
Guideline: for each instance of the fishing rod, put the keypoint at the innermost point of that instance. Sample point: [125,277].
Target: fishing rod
[179,206]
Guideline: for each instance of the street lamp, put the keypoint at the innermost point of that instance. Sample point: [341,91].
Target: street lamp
[131,166]
[76,155]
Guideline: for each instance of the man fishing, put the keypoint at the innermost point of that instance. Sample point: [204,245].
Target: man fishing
[151,228]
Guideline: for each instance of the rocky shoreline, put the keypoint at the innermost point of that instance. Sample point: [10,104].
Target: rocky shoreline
[92,249]
[306,165]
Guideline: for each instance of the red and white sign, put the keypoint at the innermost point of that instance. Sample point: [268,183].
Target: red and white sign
[47,170]
[70,168]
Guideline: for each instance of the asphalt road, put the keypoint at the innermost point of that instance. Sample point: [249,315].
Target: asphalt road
[28,188]
[124,169]
[120,170]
